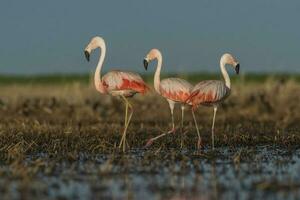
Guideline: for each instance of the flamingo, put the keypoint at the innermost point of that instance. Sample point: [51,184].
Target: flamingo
[116,83]
[174,90]
[213,92]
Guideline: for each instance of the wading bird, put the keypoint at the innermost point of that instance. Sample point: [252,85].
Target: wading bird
[116,83]
[174,90]
[213,92]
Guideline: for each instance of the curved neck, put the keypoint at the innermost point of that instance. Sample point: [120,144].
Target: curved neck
[157,73]
[225,74]
[97,76]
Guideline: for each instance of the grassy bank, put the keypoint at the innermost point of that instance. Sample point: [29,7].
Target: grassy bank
[257,113]
[59,140]
[193,77]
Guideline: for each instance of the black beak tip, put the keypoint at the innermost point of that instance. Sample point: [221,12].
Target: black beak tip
[145,62]
[87,55]
[237,68]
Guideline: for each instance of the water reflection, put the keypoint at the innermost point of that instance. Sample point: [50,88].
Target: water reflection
[228,173]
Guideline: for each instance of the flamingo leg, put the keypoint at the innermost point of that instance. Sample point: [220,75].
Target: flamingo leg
[182,133]
[151,140]
[199,144]
[172,104]
[123,141]
[125,122]
[128,119]
[213,128]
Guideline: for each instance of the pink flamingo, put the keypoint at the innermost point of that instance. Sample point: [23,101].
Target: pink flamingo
[174,90]
[116,83]
[213,92]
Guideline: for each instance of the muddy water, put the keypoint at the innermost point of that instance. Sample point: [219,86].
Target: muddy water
[267,172]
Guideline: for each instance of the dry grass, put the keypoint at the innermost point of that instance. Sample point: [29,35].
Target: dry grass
[74,118]
[42,125]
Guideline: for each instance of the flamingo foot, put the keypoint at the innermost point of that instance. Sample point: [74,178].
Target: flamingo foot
[149,143]
[199,144]
[173,131]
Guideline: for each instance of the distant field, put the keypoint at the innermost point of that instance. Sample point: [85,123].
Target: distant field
[84,78]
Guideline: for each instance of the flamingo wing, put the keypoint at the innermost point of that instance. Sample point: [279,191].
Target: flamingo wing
[175,89]
[118,80]
[208,92]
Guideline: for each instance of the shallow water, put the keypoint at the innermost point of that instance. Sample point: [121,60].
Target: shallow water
[267,172]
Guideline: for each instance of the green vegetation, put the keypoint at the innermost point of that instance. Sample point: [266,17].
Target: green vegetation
[193,77]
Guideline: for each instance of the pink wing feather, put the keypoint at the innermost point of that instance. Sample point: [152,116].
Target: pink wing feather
[208,92]
[118,80]
[175,89]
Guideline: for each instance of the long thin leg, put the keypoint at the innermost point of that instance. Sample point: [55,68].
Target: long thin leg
[213,128]
[199,144]
[123,141]
[128,119]
[125,123]
[182,134]
[172,104]
[151,140]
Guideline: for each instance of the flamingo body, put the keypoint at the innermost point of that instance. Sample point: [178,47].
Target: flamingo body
[213,92]
[123,83]
[115,83]
[175,89]
[208,93]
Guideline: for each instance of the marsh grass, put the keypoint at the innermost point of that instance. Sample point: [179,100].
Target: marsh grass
[42,124]
[74,118]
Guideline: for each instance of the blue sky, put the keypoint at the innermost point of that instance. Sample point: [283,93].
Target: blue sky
[49,36]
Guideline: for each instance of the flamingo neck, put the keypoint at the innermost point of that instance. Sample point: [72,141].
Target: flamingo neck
[157,73]
[97,77]
[225,74]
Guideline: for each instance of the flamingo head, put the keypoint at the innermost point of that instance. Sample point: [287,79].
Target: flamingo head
[152,55]
[237,68]
[96,42]
[230,60]
[145,62]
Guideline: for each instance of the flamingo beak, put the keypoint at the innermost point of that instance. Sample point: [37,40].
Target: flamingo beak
[237,68]
[145,63]
[87,55]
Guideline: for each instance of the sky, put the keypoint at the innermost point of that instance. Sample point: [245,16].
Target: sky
[41,37]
